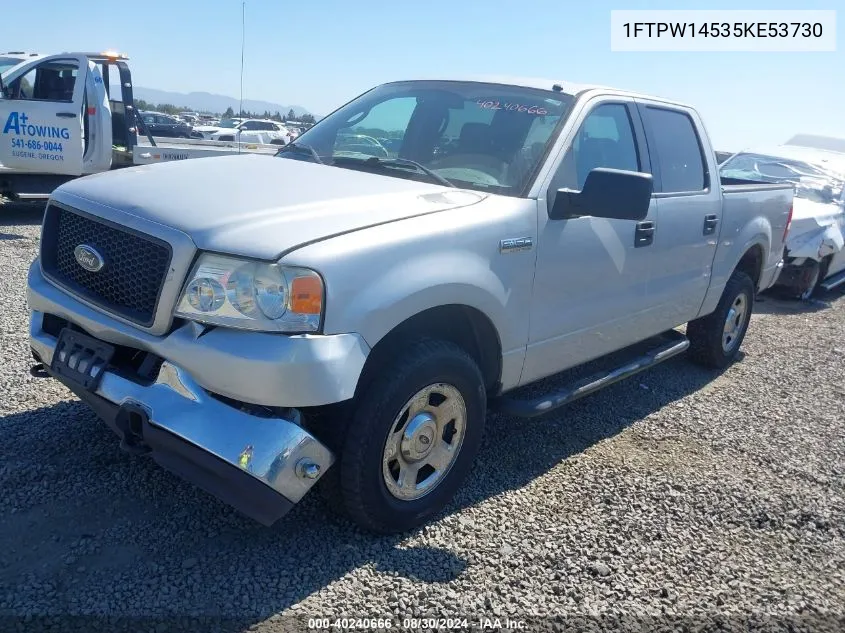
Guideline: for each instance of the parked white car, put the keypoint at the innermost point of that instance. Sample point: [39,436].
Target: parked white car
[815,250]
[256,131]
[206,130]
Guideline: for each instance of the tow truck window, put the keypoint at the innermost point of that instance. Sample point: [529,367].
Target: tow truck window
[483,136]
[49,81]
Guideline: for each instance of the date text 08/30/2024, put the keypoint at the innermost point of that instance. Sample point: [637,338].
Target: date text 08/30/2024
[416,624]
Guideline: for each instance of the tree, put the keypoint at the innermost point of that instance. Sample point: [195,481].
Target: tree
[229,113]
[307,118]
[291,115]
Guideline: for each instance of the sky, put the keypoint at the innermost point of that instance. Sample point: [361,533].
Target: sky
[322,53]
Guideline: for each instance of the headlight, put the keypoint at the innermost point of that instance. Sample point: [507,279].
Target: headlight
[252,295]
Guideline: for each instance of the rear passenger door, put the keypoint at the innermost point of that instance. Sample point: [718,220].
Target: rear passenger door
[689,211]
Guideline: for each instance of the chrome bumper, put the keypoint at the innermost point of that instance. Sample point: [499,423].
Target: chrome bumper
[260,465]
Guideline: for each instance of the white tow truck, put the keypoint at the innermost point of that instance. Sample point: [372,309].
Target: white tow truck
[73,114]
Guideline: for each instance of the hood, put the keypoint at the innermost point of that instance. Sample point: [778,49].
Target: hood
[260,206]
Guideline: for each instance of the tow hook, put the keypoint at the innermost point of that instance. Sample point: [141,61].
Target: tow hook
[38,371]
[130,421]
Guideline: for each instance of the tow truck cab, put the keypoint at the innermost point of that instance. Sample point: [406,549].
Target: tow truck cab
[63,116]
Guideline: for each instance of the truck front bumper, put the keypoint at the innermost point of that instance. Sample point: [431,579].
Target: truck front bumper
[257,459]
[259,465]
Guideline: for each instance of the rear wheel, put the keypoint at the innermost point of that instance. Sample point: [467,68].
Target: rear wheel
[715,339]
[811,277]
[412,437]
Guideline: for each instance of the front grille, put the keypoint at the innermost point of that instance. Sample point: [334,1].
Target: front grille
[135,266]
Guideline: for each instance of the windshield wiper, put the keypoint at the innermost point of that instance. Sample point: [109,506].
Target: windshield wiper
[301,148]
[401,163]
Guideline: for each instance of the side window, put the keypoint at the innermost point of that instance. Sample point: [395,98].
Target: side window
[678,150]
[49,81]
[605,139]
[249,125]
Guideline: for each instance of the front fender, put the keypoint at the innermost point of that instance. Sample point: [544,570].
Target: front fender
[427,281]
[378,278]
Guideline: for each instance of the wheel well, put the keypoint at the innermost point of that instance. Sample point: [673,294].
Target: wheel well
[752,264]
[466,327]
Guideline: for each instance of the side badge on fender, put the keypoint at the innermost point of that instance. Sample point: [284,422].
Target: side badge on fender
[516,244]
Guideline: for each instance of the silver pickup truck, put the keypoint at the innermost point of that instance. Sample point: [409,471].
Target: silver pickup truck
[347,311]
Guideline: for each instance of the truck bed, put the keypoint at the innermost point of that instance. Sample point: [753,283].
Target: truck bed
[746,200]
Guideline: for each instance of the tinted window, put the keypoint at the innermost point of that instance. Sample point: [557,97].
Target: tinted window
[48,81]
[605,139]
[678,150]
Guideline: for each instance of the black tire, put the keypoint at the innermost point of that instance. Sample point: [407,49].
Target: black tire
[706,333]
[358,487]
[824,267]
[811,277]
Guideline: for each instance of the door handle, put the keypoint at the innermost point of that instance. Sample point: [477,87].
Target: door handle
[710,222]
[66,115]
[644,234]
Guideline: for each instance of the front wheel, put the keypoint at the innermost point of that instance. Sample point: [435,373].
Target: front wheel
[412,438]
[715,339]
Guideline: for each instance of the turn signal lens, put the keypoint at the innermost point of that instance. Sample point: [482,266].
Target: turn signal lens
[306,295]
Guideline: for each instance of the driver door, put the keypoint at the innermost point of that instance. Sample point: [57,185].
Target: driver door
[41,114]
[591,285]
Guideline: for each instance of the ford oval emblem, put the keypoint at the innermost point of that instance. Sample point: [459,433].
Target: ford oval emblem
[88,257]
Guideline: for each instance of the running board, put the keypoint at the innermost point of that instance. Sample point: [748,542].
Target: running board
[832,282]
[677,344]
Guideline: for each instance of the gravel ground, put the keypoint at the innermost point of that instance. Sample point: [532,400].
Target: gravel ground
[679,494]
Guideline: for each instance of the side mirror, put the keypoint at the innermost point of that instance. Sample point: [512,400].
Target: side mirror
[608,193]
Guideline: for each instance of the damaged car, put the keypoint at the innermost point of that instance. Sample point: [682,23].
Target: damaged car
[815,251]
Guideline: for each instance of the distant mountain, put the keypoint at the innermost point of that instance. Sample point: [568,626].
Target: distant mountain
[205,101]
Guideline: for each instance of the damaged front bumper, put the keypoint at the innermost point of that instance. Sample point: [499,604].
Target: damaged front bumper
[260,464]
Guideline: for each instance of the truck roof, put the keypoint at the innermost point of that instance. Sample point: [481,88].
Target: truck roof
[566,87]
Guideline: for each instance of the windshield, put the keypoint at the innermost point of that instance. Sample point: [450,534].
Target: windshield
[487,137]
[812,181]
[8,62]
